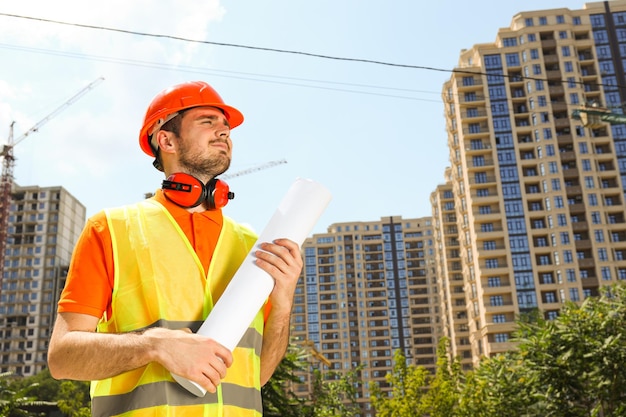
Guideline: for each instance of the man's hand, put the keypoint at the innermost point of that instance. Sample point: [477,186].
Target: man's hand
[77,352]
[197,358]
[283,261]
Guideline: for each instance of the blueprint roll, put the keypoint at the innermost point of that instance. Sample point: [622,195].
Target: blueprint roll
[246,293]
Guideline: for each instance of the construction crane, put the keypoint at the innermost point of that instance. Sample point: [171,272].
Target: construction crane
[243,172]
[8,164]
[595,116]
[254,169]
[309,345]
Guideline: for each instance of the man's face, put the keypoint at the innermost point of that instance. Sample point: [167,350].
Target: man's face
[204,145]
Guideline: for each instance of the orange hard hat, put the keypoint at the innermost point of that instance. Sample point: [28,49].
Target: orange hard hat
[180,97]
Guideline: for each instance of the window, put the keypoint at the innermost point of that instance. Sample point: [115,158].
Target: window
[568,258]
[496,300]
[550,297]
[558,202]
[571,275]
[543,20]
[501,337]
[553,168]
[565,51]
[509,42]
[499,318]
[489,245]
[544,260]
[598,235]
[494,282]
[491,263]
[602,254]
[573,294]
[595,217]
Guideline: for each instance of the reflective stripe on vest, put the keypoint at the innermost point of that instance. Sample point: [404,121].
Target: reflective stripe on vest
[164,285]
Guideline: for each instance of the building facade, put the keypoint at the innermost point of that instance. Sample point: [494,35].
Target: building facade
[44,225]
[451,287]
[368,289]
[538,195]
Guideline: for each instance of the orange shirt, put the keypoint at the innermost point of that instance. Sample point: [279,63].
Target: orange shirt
[89,283]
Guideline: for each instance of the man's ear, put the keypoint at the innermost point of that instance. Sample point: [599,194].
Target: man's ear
[165,140]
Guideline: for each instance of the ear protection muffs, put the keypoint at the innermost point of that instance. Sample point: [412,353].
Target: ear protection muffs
[188,191]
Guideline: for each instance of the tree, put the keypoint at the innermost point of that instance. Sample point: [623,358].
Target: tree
[334,394]
[497,387]
[579,359]
[278,401]
[442,397]
[18,402]
[408,388]
[74,399]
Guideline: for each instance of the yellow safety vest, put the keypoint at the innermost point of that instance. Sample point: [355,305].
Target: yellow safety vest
[159,281]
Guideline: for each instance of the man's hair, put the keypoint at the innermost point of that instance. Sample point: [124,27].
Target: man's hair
[173,126]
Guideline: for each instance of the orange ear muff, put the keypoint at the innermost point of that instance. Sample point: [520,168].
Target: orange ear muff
[188,191]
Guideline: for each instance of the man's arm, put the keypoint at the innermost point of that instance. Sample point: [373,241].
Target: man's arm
[77,352]
[283,261]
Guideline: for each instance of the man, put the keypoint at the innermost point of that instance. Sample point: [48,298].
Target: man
[143,275]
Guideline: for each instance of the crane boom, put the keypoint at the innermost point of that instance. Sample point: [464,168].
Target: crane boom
[58,110]
[8,163]
[254,169]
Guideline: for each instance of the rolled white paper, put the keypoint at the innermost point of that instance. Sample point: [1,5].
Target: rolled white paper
[246,293]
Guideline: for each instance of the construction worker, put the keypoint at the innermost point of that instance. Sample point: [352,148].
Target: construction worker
[143,278]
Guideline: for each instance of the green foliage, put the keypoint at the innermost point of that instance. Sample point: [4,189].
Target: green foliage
[407,397]
[444,393]
[277,400]
[572,366]
[15,399]
[334,394]
[578,361]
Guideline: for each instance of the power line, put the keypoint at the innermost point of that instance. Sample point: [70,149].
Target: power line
[232,45]
[310,54]
[232,74]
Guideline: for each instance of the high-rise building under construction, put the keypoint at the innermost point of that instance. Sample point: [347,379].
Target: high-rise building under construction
[43,225]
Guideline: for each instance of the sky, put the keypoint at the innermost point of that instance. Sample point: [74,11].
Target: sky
[347,92]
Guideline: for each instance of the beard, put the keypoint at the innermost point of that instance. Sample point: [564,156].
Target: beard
[201,166]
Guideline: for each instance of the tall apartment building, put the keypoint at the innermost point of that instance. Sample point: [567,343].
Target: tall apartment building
[451,287]
[44,224]
[538,196]
[368,289]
